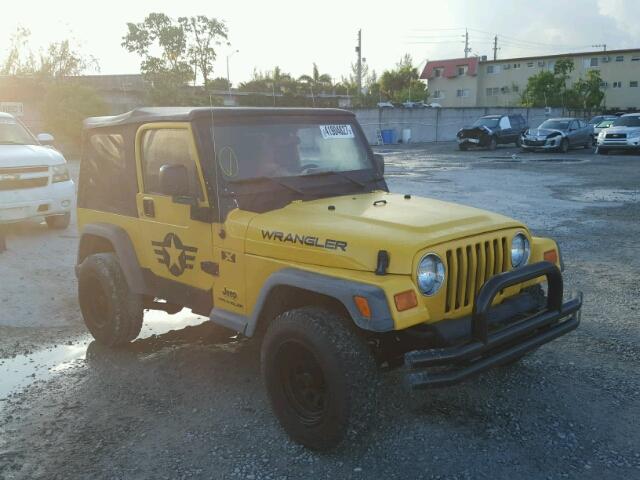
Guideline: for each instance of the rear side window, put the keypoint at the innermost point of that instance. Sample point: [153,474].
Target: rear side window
[504,123]
[168,146]
[107,174]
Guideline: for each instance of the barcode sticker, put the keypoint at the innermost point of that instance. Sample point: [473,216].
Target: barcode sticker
[336,131]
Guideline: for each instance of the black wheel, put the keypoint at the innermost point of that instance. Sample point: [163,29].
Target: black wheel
[518,142]
[58,222]
[112,313]
[564,145]
[321,378]
[463,146]
[493,143]
[603,151]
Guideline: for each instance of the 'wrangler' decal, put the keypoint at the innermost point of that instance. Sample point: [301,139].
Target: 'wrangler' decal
[308,240]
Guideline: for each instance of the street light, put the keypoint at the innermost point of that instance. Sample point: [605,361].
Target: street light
[228,80]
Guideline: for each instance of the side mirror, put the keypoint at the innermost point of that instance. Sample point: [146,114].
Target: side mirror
[174,180]
[379,161]
[45,138]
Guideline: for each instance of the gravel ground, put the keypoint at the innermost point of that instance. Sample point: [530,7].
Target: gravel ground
[188,403]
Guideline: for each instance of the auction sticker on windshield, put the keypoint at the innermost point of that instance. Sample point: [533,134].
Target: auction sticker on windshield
[336,131]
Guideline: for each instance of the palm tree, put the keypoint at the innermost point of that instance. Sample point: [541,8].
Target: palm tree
[316,80]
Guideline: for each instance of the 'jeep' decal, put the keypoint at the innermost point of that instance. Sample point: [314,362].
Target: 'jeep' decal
[176,256]
[308,240]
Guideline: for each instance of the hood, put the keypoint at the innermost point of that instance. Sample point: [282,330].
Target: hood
[543,132]
[476,130]
[28,156]
[622,129]
[348,231]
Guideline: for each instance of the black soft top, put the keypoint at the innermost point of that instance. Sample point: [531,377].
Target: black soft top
[186,114]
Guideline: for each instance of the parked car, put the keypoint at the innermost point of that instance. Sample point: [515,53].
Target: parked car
[624,134]
[601,118]
[34,179]
[492,130]
[559,134]
[385,105]
[601,126]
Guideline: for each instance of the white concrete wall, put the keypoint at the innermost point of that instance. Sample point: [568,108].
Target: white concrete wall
[437,124]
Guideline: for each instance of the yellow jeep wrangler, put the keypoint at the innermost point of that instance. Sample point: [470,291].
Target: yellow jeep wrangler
[278,223]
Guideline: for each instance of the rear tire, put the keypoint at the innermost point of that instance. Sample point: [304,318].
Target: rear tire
[58,222]
[518,142]
[112,312]
[320,377]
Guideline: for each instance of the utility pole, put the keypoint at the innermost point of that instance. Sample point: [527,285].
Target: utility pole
[466,43]
[359,65]
[601,45]
[495,48]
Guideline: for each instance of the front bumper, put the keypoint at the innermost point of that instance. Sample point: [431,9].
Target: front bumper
[535,145]
[22,204]
[624,144]
[486,349]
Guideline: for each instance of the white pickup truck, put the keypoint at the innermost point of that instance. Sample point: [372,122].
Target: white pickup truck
[34,178]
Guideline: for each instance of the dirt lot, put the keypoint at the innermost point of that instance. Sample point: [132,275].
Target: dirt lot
[188,403]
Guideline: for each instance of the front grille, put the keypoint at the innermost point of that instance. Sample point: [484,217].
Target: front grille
[534,143]
[23,183]
[616,135]
[470,266]
[20,170]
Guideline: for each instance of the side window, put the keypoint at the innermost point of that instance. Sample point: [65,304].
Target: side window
[167,146]
[107,174]
[504,123]
[515,121]
[573,125]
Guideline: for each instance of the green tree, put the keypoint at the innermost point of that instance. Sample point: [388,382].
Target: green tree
[316,81]
[403,83]
[171,52]
[20,60]
[588,92]
[543,90]
[203,34]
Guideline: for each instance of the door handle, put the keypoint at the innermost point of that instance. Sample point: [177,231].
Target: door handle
[148,207]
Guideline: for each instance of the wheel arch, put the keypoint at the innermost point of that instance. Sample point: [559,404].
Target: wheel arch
[293,288]
[103,238]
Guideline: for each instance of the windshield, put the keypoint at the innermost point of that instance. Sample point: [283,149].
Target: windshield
[555,125]
[287,150]
[631,121]
[13,133]
[490,122]
[605,124]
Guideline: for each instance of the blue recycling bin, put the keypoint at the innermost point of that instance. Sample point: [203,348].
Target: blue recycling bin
[388,136]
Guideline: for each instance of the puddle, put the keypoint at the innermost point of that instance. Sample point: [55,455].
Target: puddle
[608,195]
[19,372]
[515,158]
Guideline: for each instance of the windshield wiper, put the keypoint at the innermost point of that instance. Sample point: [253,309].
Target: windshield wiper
[340,174]
[277,181]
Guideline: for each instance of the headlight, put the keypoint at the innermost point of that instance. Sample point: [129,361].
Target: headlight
[60,173]
[635,134]
[520,250]
[431,273]
[601,134]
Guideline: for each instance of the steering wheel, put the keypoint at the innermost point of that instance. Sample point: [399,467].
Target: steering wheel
[308,168]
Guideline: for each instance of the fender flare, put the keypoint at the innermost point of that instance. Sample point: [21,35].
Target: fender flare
[123,248]
[339,289]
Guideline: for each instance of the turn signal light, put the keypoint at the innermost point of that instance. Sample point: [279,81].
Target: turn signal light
[363,306]
[405,300]
[551,256]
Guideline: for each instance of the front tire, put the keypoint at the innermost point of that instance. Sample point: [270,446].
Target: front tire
[463,147]
[58,222]
[564,146]
[493,143]
[603,151]
[112,312]
[320,376]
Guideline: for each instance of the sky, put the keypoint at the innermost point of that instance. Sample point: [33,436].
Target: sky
[294,34]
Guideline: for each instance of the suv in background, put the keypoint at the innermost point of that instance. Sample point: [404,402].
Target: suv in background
[34,179]
[624,134]
[492,130]
[278,223]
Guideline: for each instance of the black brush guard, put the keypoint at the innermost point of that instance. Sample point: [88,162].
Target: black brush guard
[488,349]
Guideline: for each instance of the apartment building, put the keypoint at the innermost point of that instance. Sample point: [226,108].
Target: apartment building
[478,82]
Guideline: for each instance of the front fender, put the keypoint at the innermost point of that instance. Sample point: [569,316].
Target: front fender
[339,289]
